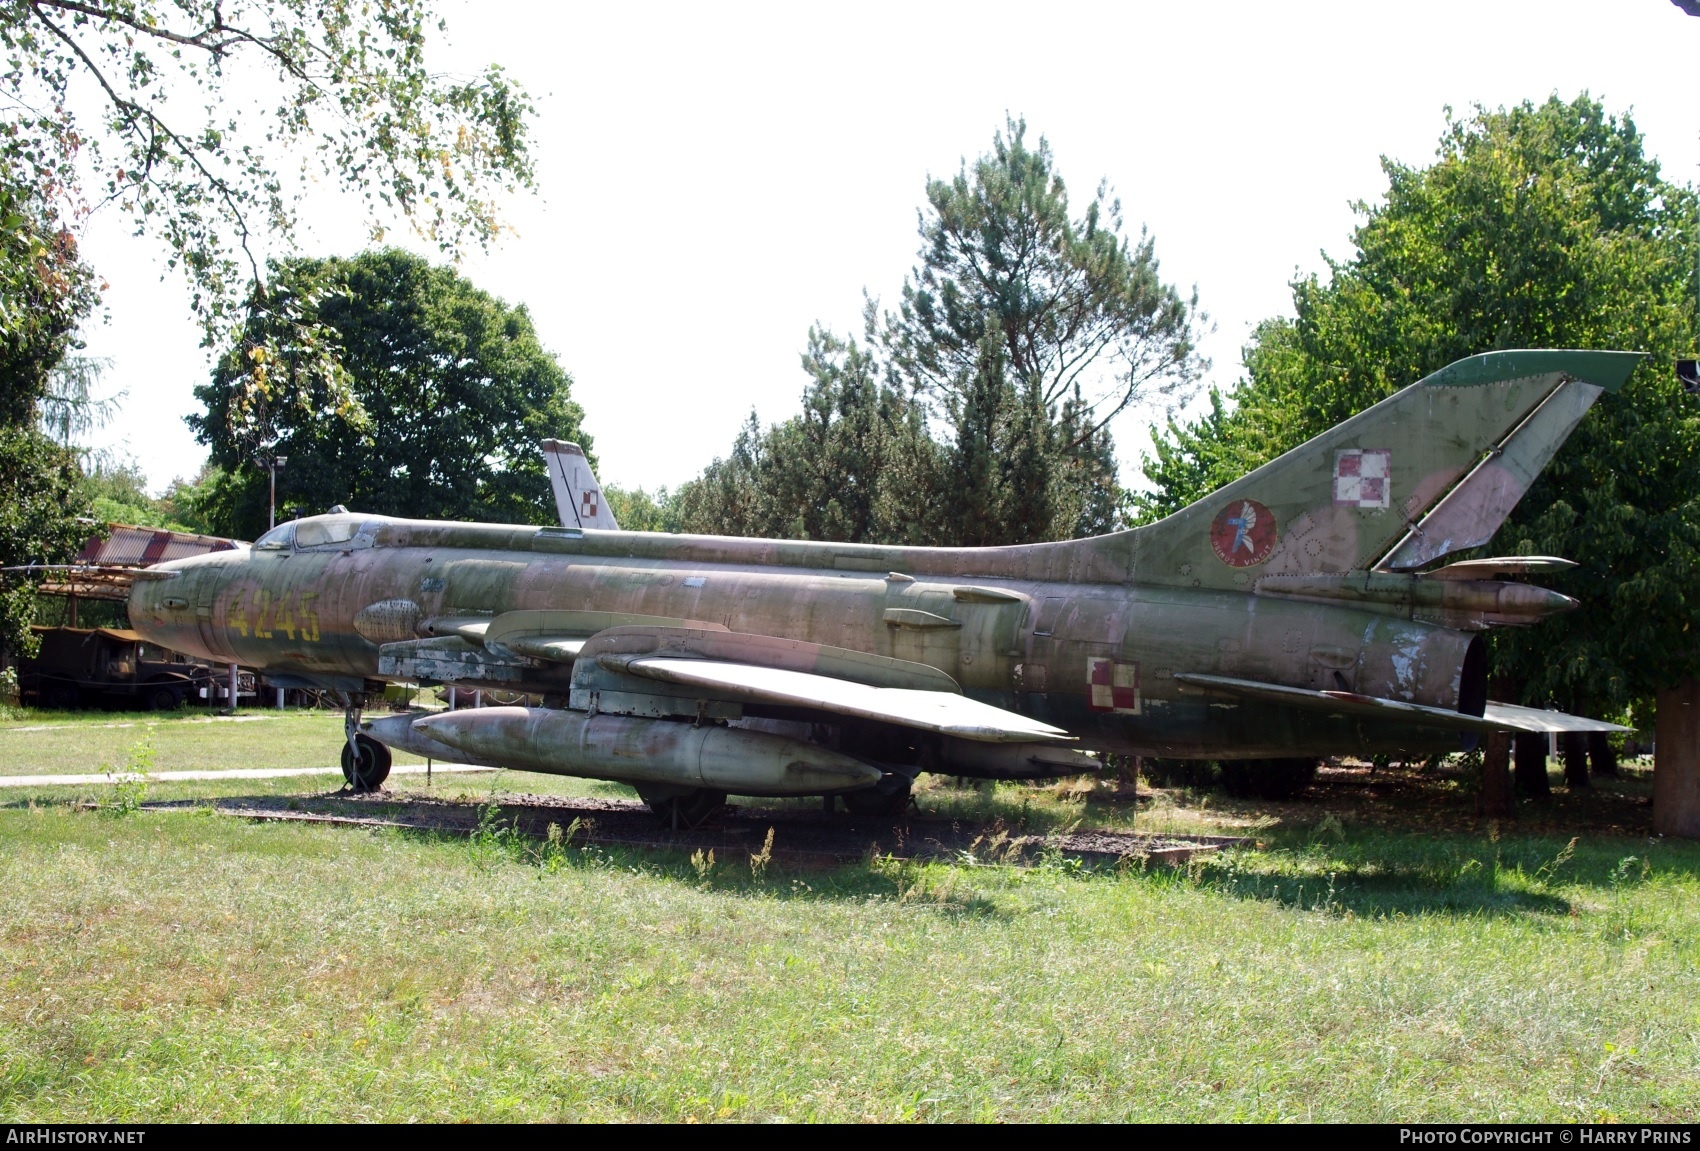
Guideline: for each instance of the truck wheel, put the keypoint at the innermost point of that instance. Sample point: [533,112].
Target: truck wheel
[162,698]
[372,769]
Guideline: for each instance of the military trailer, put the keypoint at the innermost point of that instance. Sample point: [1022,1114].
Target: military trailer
[109,667]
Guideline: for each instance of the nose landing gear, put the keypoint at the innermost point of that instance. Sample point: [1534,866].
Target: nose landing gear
[365,761]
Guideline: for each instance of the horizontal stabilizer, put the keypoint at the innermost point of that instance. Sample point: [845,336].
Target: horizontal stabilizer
[1499,716]
[1487,569]
[940,711]
[1340,703]
[1509,715]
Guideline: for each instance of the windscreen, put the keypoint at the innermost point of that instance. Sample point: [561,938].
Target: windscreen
[321,532]
[277,538]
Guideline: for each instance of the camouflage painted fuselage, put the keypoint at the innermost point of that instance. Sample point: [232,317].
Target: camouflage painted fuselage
[1026,628]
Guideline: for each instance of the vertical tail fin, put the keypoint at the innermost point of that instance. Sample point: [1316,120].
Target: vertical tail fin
[578,496]
[1432,469]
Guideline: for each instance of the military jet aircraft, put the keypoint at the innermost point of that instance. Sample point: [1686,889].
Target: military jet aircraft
[1298,612]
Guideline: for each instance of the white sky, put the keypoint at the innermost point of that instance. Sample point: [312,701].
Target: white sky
[715,177]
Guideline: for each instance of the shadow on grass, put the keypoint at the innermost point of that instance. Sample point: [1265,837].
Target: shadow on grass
[1376,873]
[1389,892]
[1328,865]
[735,872]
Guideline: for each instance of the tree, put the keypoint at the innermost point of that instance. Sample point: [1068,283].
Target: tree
[194,503]
[145,105]
[636,510]
[457,390]
[69,405]
[977,413]
[1074,307]
[117,492]
[41,481]
[856,465]
[212,117]
[44,292]
[1538,226]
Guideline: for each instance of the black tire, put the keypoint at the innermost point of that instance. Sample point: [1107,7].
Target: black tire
[1267,778]
[675,812]
[890,796]
[59,695]
[373,768]
[1199,773]
[161,697]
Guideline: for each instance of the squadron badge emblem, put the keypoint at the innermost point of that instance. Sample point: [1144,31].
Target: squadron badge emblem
[1243,534]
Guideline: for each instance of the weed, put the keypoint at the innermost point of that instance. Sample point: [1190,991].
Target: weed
[128,794]
[491,839]
[1548,870]
[130,789]
[554,853]
[1631,869]
[995,846]
[702,864]
[760,860]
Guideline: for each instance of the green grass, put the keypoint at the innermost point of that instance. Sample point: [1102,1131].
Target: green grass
[57,742]
[182,965]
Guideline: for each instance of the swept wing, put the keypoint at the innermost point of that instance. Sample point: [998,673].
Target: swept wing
[941,711]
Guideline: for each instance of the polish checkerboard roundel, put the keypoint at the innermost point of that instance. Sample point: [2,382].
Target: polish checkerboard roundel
[1243,533]
[1361,477]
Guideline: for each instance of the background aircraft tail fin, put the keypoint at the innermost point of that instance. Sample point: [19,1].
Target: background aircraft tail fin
[1431,470]
[578,495]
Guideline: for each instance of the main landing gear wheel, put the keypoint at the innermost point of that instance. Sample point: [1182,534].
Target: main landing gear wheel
[1267,778]
[681,812]
[890,796]
[372,767]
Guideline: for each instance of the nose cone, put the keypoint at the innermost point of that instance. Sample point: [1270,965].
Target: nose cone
[161,604]
[171,603]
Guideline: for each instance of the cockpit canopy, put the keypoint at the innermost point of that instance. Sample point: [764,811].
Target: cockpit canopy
[342,532]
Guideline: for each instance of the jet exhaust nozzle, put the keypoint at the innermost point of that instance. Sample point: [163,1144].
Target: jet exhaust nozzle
[630,749]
